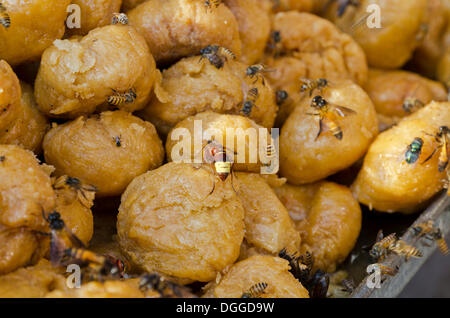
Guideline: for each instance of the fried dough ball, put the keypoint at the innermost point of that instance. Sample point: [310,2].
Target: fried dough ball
[106,150]
[400,31]
[77,216]
[254,28]
[386,181]
[95,14]
[25,189]
[177,28]
[267,222]
[320,52]
[10,98]
[244,130]
[298,5]
[170,222]
[397,94]
[130,4]
[192,86]
[273,271]
[443,72]
[29,128]
[436,37]
[306,157]
[108,289]
[328,219]
[77,76]
[35,24]
[31,282]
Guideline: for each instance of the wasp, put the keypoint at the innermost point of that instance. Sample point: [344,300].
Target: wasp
[431,233]
[310,85]
[274,45]
[414,150]
[216,154]
[250,101]
[327,114]
[382,245]
[348,285]
[387,270]
[441,138]
[61,237]
[165,288]
[281,97]
[400,247]
[5,20]
[121,98]
[344,4]
[256,71]
[2,158]
[255,291]
[98,266]
[210,3]
[118,141]
[120,18]
[83,190]
[411,103]
[301,266]
[217,55]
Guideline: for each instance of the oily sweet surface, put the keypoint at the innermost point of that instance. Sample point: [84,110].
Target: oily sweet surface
[169,221]
[241,276]
[76,76]
[386,181]
[192,86]
[35,24]
[106,150]
[306,158]
[177,28]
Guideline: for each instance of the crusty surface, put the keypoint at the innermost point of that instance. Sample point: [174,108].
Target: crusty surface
[35,24]
[241,276]
[170,222]
[386,182]
[192,86]
[305,159]
[268,225]
[76,76]
[87,148]
[177,28]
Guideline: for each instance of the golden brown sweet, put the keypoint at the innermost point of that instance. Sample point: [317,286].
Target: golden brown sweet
[267,222]
[170,222]
[108,289]
[31,282]
[10,98]
[192,86]
[443,71]
[177,28]
[106,150]
[77,216]
[24,191]
[29,127]
[320,52]
[386,181]
[243,275]
[436,37]
[95,14]
[35,24]
[254,28]
[306,158]
[130,4]
[244,130]
[399,33]
[77,76]
[397,94]
[328,219]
